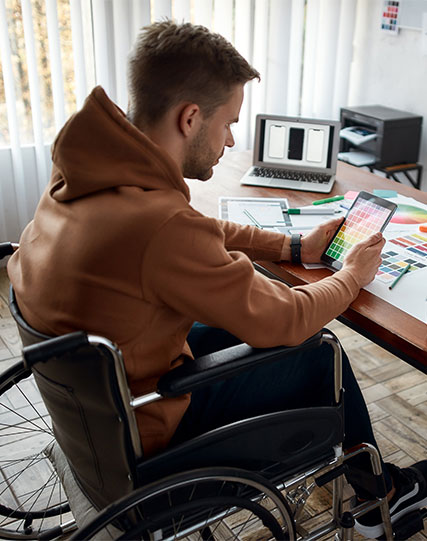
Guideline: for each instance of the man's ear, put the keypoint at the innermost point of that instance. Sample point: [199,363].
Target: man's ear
[189,119]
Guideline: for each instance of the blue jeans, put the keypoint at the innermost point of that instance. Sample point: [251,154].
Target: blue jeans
[302,380]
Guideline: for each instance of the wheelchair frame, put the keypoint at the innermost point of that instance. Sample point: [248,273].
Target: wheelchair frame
[204,371]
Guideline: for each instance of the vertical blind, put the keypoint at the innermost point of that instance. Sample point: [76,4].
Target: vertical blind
[302,48]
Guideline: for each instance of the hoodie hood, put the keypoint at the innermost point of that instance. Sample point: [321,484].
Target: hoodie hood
[99,149]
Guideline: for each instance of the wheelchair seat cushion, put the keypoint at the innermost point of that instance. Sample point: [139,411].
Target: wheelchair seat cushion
[82,509]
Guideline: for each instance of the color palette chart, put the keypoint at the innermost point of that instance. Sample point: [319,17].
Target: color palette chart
[408,249]
[364,219]
[409,214]
[390,16]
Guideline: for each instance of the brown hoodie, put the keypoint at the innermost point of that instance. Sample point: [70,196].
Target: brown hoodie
[116,249]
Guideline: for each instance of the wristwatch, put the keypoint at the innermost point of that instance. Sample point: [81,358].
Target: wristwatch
[296,248]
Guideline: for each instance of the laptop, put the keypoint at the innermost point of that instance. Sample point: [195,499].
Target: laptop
[294,153]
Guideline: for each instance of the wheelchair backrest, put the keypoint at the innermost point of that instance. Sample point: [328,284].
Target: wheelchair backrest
[26,332]
[83,385]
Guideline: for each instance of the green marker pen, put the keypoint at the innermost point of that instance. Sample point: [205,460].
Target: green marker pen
[310,211]
[328,200]
[402,272]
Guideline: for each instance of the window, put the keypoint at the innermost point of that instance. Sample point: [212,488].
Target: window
[31,59]
[53,52]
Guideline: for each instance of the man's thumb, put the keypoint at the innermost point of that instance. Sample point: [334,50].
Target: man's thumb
[373,239]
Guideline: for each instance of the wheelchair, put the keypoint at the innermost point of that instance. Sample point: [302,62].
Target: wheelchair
[83,470]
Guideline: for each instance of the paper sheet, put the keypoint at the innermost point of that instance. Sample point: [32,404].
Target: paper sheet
[410,293]
[263,212]
[269,214]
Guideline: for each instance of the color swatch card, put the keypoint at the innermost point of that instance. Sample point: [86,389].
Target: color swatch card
[406,244]
[390,16]
[415,243]
[407,249]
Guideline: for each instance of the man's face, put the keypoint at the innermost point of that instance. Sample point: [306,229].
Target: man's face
[207,145]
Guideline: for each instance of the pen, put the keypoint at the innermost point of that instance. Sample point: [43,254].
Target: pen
[402,272]
[328,200]
[310,211]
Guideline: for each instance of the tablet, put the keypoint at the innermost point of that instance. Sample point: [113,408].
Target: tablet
[367,215]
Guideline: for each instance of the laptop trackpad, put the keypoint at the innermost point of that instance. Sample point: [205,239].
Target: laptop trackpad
[279,182]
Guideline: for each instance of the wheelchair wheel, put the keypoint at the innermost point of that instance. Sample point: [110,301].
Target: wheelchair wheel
[206,504]
[32,500]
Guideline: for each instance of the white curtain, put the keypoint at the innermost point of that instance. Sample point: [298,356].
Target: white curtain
[302,48]
[327,57]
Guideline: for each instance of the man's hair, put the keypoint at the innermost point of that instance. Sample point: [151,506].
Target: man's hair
[173,63]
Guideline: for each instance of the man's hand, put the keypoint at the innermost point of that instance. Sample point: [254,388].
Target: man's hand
[364,258]
[314,243]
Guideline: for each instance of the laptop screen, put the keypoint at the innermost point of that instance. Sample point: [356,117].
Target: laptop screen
[296,143]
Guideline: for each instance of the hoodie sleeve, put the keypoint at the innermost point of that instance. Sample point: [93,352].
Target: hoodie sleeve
[255,243]
[187,268]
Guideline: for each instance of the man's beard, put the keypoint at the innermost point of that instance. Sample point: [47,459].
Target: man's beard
[200,158]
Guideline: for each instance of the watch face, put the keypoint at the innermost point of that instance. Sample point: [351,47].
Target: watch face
[337,265]
[296,239]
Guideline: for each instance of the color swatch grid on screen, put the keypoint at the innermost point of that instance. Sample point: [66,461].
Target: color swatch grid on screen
[364,219]
[410,249]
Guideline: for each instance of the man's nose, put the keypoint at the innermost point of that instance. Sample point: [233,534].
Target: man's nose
[230,140]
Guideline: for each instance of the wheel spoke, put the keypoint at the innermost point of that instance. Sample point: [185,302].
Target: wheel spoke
[41,417]
[33,500]
[37,428]
[197,505]
[32,461]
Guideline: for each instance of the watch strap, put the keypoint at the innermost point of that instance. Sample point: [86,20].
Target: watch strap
[296,248]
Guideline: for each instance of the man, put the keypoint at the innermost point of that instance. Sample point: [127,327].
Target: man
[116,249]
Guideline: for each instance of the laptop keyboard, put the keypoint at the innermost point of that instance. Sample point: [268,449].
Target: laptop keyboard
[298,176]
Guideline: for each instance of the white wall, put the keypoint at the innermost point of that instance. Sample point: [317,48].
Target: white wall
[389,70]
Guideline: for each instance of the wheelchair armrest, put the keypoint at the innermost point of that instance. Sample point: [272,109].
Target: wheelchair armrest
[224,364]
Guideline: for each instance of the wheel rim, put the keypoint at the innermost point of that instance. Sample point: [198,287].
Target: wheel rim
[211,528]
[32,500]
[215,486]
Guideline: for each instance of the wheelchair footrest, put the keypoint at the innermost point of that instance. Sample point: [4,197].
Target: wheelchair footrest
[331,475]
[409,525]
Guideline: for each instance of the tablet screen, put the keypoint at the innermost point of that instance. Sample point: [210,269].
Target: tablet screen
[368,214]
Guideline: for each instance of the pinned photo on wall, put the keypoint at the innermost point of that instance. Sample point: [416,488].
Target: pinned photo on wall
[390,16]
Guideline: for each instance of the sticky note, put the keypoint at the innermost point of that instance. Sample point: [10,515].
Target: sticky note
[351,195]
[385,193]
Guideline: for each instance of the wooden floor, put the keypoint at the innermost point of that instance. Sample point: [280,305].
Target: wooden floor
[395,392]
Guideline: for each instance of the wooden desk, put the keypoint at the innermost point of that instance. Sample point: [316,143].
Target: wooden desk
[379,321]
